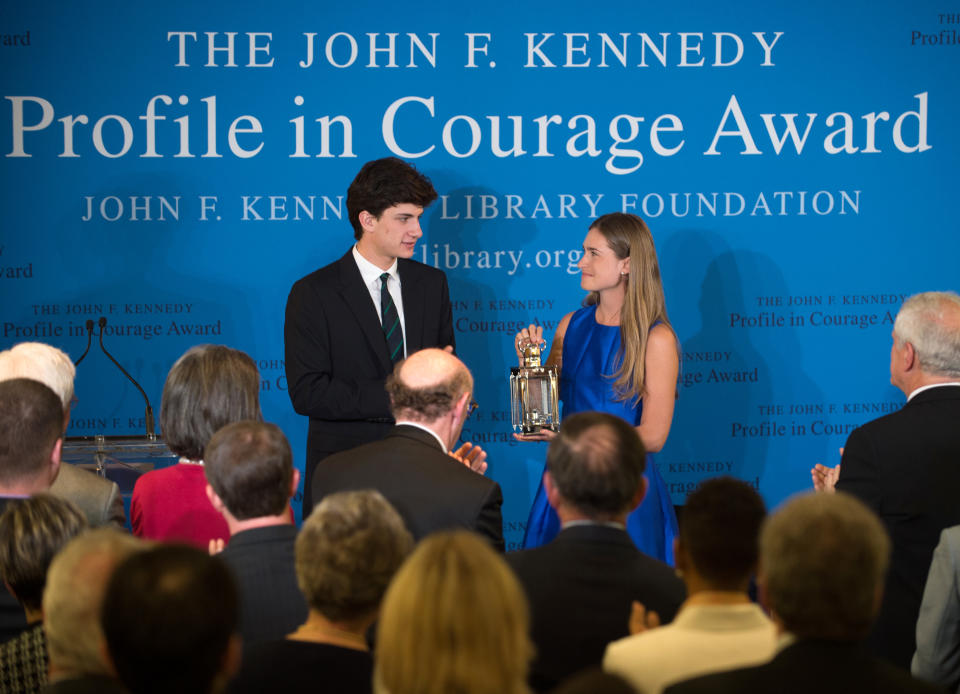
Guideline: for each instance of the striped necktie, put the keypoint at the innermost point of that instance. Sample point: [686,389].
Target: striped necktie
[390,320]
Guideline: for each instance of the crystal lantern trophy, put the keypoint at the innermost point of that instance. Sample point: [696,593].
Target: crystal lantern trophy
[534,393]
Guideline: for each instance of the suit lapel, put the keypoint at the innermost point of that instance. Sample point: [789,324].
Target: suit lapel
[411,290]
[357,297]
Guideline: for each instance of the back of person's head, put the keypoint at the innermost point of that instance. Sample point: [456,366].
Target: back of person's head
[823,558]
[427,385]
[76,583]
[40,362]
[454,619]
[596,463]
[348,551]
[384,183]
[720,531]
[31,424]
[207,388]
[250,466]
[169,617]
[931,323]
[32,531]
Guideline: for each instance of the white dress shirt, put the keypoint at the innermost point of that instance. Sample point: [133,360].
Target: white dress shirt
[370,274]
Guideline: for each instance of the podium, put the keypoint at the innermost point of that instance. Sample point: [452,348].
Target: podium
[120,459]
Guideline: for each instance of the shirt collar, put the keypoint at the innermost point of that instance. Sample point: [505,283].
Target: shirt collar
[604,524]
[929,387]
[370,272]
[407,423]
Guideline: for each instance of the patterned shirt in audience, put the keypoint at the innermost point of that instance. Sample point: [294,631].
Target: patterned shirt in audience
[23,662]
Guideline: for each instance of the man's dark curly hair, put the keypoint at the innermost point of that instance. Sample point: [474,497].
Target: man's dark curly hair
[383,183]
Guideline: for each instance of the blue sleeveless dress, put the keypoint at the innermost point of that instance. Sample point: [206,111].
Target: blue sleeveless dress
[589,352]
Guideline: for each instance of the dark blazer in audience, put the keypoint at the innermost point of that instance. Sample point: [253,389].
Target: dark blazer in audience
[262,562]
[904,466]
[581,586]
[430,490]
[811,665]
[301,666]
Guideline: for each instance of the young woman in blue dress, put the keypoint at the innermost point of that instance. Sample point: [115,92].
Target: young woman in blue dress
[617,354]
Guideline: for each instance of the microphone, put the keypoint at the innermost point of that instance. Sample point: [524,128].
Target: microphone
[89,338]
[149,411]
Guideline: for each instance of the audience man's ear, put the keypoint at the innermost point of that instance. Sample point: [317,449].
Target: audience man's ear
[55,459]
[217,502]
[553,494]
[640,493]
[294,482]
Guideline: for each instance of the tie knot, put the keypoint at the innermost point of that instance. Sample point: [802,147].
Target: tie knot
[384,277]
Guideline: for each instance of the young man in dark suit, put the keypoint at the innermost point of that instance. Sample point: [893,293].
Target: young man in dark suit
[348,323]
[581,585]
[905,466]
[430,397]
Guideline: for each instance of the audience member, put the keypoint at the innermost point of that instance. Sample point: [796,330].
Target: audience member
[347,552]
[76,584]
[430,399]
[937,659]
[454,619]
[581,584]
[31,436]
[209,387]
[251,480]
[31,532]
[595,681]
[823,558]
[170,619]
[904,465]
[98,498]
[717,627]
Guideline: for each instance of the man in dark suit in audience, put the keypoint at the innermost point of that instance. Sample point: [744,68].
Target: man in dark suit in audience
[98,498]
[349,322]
[250,480]
[581,585]
[823,558]
[906,465]
[31,436]
[430,397]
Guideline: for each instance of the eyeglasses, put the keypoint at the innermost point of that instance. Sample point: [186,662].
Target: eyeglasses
[472,407]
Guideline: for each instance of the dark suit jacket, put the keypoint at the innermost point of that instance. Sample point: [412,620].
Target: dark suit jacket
[906,467]
[271,604]
[809,665]
[428,488]
[336,355]
[580,588]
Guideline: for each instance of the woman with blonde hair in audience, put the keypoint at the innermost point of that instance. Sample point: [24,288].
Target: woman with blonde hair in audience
[207,388]
[454,621]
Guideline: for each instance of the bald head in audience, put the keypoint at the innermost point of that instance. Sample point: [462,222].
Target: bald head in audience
[432,388]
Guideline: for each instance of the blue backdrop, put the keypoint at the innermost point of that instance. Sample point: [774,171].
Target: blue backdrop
[176,166]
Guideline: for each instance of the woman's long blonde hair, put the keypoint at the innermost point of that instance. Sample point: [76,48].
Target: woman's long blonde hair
[629,237]
[454,621]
